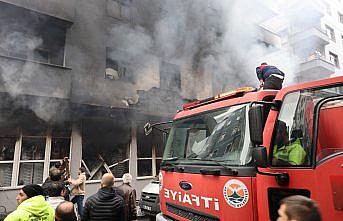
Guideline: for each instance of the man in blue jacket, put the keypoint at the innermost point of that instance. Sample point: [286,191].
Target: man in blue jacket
[270,77]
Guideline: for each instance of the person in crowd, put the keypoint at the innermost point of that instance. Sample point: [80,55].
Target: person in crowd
[31,205]
[78,189]
[54,188]
[129,195]
[298,208]
[65,211]
[270,77]
[106,204]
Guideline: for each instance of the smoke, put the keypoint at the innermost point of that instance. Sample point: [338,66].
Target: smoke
[20,76]
[218,41]
[215,44]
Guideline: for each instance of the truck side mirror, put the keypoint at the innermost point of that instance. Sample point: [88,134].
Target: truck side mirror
[256,123]
[259,155]
[147,128]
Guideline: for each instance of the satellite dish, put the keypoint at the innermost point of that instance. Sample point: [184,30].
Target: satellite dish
[111,74]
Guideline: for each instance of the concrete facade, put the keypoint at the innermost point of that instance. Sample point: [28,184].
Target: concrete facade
[75,90]
[78,72]
[311,33]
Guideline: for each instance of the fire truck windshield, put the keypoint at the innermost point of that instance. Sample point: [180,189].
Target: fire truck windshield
[220,135]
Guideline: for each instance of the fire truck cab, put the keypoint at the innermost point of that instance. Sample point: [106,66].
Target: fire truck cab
[236,155]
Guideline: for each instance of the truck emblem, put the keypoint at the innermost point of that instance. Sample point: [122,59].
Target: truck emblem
[236,194]
[185,185]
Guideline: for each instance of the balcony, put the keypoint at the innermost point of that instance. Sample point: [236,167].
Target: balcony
[268,37]
[24,77]
[314,69]
[312,37]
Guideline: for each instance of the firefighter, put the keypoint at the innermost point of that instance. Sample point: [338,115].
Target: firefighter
[270,77]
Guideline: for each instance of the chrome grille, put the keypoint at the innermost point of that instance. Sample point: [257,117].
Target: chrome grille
[190,214]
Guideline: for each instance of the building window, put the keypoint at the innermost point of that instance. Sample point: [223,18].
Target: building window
[149,151]
[170,76]
[105,147]
[334,59]
[60,143]
[34,36]
[117,65]
[28,152]
[7,145]
[32,160]
[330,32]
[123,10]
[340,18]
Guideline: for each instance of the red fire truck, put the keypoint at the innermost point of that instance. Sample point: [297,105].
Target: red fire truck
[236,155]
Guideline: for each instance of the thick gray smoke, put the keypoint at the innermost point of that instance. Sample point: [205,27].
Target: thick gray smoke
[216,45]
[218,41]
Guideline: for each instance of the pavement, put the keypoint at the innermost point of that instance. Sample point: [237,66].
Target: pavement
[146,218]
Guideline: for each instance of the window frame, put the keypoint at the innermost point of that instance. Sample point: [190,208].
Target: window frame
[335,59]
[17,161]
[313,162]
[330,32]
[11,162]
[340,17]
[153,159]
[317,109]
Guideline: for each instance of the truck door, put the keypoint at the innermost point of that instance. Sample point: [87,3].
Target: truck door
[298,144]
[329,157]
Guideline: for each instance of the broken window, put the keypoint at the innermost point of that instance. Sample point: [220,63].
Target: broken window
[159,140]
[105,147]
[170,76]
[32,35]
[117,65]
[144,153]
[149,151]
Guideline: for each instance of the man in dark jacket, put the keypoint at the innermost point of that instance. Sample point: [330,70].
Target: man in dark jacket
[106,204]
[54,188]
[129,195]
[270,77]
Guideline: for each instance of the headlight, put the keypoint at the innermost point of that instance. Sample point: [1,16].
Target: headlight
[160,177]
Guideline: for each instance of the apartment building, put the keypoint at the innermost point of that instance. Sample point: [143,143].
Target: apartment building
[311,32]
[68,90]
[81,78]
